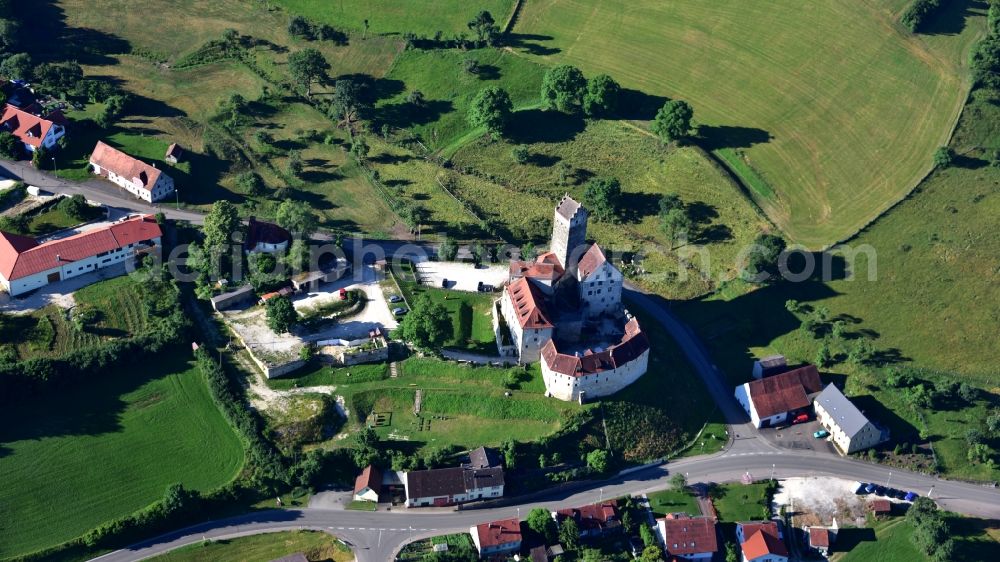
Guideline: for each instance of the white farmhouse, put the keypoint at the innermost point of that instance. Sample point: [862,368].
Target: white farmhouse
[32,130]
[451,486]
[137,177]
[26,264]
[771,400]
[266,237]
[851,430]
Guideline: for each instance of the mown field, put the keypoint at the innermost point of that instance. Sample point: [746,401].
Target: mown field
[399,16]
[262,548]
[74,460]
[836,108]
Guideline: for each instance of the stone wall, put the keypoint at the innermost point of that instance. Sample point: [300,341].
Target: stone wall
[588,387]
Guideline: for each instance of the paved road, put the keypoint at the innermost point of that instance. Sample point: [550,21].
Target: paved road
[376,536]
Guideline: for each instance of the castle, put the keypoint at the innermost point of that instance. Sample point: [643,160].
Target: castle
[564,309]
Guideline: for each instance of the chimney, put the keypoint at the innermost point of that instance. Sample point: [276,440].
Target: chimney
[58,258]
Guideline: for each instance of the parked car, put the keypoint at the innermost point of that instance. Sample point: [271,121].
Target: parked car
[870,488]
[343,294]
[444,283]
[801,418]
[894,493]
[821,434]
[880,490]
[399,311]
[863,488]
[395,298]
[910,496]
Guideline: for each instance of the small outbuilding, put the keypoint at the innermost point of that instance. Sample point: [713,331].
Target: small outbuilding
[368,485]
[232,298]
[174,153]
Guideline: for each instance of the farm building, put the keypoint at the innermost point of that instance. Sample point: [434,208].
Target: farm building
[266,237]
[497,538]
[483,457]
[26,264]
[770,365]
[851,430]
[761,541]
[690,538]
[32,130]
[233,298]
[174,153]
[770,400]
[368,485]
[451,486]
[143,180]
[564,308]
[595,520]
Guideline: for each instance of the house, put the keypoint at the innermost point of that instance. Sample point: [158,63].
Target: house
[497,538]
[690,538]
[851,430]
[137,177]
[770,400]
[368,485]
[595,520]
[564,309]
[880,507]
[449,486]
[27,264]
[32,130]
[821,539]
[484,457]
[266,237]
[544,553]
[761,541]
[174,153]
[770,365]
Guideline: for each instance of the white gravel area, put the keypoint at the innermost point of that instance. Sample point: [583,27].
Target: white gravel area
[376,313]
[817,500]
[461,276]
[271,348]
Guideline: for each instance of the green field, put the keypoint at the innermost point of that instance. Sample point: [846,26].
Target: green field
[399,16]
[471,315]
[261,548]
[77,459]
[836,107]
[740,502]
[673,501]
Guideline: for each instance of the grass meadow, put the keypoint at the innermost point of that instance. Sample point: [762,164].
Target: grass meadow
[837,108]
[673,501]
[471,315]
[399,16]
[74,460]
[736,502]
[262,548]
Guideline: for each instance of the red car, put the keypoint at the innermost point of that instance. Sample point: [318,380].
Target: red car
[343,294]
[800,418]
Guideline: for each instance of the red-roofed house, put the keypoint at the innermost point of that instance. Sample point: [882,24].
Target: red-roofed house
[770,400]
[368,485]
[26,264]
[821,539]
[497,538]
[531,328]
[33,131]
[761,542]
[595,520]
[137,177]
[690,538]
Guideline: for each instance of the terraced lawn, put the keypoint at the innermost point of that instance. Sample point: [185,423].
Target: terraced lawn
[399,16]
[837,108]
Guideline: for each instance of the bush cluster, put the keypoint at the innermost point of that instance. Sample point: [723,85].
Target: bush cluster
[916,16]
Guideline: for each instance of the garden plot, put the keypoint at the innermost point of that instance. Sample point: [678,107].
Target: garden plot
[816,501]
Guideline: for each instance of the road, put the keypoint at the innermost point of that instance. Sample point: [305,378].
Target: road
[376,536]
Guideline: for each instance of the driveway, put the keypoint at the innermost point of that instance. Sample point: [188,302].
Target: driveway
[376,313]
[461,276]
[60,293]
[798,437]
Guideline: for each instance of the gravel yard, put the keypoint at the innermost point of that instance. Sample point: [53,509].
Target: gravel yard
[461,276]
[816,501]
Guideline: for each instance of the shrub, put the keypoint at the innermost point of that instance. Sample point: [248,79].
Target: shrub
[943,157]
[918,14]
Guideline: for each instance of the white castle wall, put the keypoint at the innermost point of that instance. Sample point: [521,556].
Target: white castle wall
[605,383]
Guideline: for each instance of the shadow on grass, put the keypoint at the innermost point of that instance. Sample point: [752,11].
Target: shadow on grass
[46,35]
[952,17]
[714,137]
[404,114]
[532,43]
[536,125]
[633,104]
[848,538]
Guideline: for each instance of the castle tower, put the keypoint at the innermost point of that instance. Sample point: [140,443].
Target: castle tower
[569,232]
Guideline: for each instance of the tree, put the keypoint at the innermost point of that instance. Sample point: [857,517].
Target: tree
[17,67]
[298,26]
[602,95]
[763,259]
[76,207]
[471,65]
[968,393]
[652,553]
[486,30]
[569,534]
[281,315]
[220,224]
[563,88]
[491,109]
[297,218]
[647,535]
[668,202]
[447,250]
[943,158]
[299,255]
[540,521]
[428,325]
[346,103]
[250,183]
[306,67]
[862,352]
[416,98]
[177,500]
[993,424]
[294,164]
[628,523]
[673,121]
[823,355]
[114,107]
[59,76]
[731,555]
[601,197]
[520,154]
[922,508]
[675,223]
[263,273]
[528,252]
[10,147]
[930,533]
[478,252]
[597,460]
[678,481]
[15,223]
[360,148]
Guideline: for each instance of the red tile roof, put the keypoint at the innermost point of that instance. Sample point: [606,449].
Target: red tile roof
[550,258]
[880,507]
[763,543]
[265,232]
[633,344]
[498,533]
[21,256]
[769,527]
[819,537]
[596,516]
[534,270]
[689,535]
[174,150]
[370,477]
[528,304]
[591,261]
[109,158]
[785,392]
[28,128]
